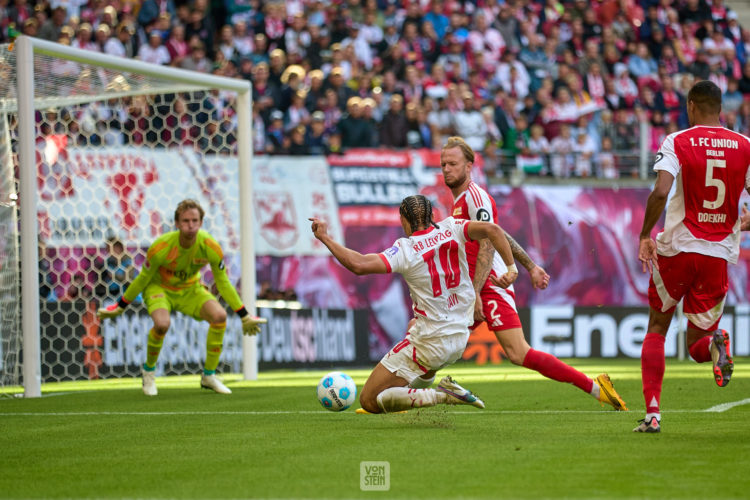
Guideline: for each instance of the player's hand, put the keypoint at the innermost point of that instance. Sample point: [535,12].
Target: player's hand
[539,277]
[745,219]
[505,280]
[647,255]
[319,227]
[251,324]
[111,311]
[478,312]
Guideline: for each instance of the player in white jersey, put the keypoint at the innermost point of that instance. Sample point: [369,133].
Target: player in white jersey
[688,260]
[432,260]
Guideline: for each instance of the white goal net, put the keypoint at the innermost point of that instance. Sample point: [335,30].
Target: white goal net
[116,146]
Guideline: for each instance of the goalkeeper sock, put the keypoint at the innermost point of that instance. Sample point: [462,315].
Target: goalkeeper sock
[214,342]
[153,348]
[405,398]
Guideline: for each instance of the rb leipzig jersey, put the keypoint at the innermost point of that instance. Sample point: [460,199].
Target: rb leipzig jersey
[476,204]
[710,165]
[433,264]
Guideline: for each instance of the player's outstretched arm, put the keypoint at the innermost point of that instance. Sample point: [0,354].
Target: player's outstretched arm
[496,236]
[354,261]
[539,277]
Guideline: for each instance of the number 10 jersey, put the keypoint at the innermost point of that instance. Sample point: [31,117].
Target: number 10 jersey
[433,264]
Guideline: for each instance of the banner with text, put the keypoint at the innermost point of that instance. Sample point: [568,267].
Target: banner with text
[84,348]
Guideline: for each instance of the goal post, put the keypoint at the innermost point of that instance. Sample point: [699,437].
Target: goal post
[141,79]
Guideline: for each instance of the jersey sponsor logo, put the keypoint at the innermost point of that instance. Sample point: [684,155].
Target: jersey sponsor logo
[391,251]
[457,211]
[483,215]
[200,262]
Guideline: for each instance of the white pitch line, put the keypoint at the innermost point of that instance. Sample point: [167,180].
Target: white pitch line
[727,406]
[323,412]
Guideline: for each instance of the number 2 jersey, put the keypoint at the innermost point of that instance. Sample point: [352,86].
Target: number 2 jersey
[433,264]
[710,165]
[476,204]
[176,268]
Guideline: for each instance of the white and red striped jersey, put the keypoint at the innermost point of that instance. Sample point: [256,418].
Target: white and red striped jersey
[476,204]
[433,264]
[710,165]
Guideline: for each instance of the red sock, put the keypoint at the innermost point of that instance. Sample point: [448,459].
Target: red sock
[652,370]
[553,368]
[699,351]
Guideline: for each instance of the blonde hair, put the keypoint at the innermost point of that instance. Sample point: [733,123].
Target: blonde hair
[188,204]
[457,142]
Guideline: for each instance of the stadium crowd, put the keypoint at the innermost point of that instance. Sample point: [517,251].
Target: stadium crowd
[517,79]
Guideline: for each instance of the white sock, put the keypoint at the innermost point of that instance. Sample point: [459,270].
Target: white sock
[420,383]
[595,390]
[657,415]
[405,398]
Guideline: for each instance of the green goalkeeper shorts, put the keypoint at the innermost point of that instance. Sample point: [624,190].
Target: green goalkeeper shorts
[188,301]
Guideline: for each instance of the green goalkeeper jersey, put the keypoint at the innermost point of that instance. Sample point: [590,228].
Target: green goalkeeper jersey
[175,268]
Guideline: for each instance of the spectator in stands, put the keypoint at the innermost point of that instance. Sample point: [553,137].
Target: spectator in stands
[197,60]
[316,137]
[732,99]
[437,18]
[561,149]
[297,144]
[394,127]
[355,131]
[700,68]
[606,160]
[150,10]
[50,29]
[536,61]
[470,124]
[276,140]
[626,132]
[154,51]
[337,83]
[485,38]
[625,87]
[297,114]
[641,65]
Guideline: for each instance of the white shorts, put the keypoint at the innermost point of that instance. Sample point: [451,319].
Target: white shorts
[411,358]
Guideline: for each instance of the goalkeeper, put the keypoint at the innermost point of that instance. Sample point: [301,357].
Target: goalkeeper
[170,280]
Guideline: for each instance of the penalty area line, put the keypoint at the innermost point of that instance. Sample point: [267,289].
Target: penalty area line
[727,406]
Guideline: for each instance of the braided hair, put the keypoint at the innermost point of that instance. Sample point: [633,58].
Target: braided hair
[417,210]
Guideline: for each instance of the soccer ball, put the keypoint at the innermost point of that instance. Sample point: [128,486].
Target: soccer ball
[337,391]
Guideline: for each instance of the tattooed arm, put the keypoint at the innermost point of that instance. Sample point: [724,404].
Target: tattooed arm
[539,277]
[481,272]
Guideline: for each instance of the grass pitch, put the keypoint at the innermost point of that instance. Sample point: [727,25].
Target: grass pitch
[272,439]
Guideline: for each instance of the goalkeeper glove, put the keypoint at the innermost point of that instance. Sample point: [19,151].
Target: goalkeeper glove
[113,310]
[251,324]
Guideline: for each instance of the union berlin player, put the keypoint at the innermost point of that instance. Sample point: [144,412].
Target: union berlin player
[432,261]
[688,260]
[497,302]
